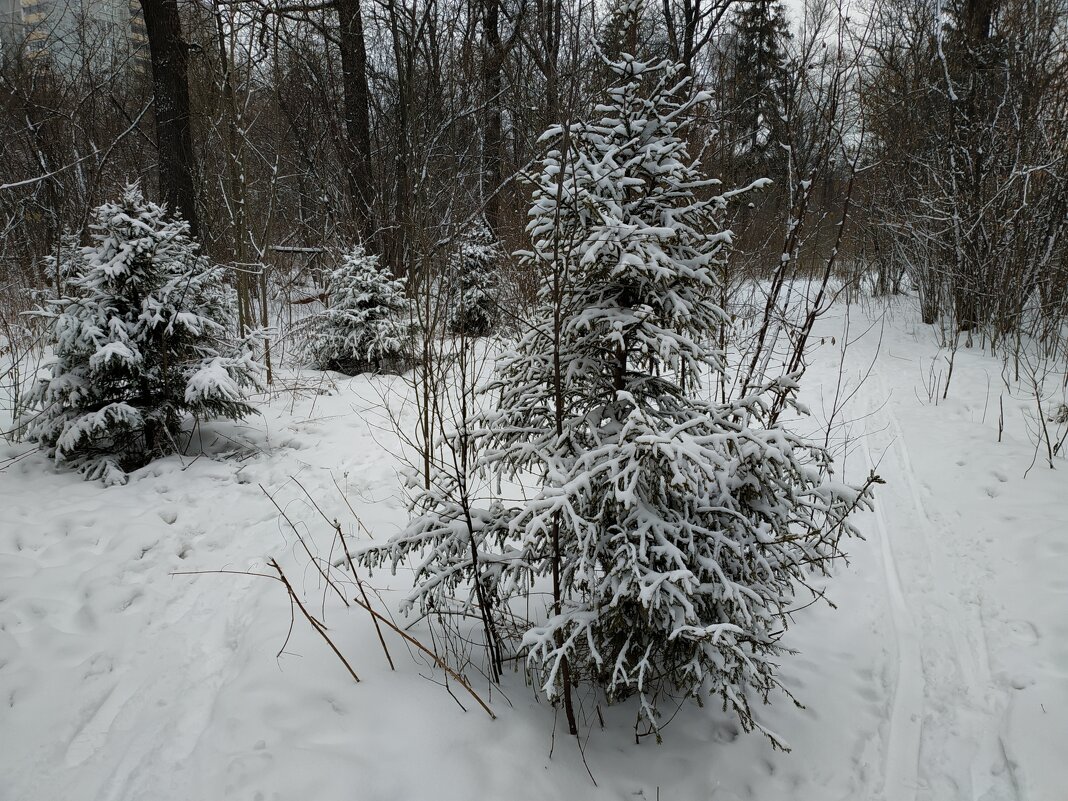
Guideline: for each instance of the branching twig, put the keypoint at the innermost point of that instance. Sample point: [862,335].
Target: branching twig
[319,627]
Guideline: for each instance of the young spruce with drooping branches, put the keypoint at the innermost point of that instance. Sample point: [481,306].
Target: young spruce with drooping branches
[143,340]
[675,533]
[367,326]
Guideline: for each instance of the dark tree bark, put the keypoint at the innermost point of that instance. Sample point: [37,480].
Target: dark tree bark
[170,87]
[552,25]
[406,27]
[357,117]
[492,69]
[690,26]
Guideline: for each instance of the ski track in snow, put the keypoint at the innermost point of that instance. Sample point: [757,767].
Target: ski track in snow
[943,683]
[906,718]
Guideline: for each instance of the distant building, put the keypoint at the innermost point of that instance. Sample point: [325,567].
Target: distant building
[10,23]
[75,33]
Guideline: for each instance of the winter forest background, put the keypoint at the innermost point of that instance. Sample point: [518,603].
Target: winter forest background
[534,398]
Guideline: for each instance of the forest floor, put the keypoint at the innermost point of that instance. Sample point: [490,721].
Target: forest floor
[125,675]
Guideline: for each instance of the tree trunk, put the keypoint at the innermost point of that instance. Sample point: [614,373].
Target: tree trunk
[492,66]
[170,89]
[357,98]
[402,27]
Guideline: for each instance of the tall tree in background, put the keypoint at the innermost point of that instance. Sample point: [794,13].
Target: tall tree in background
[690,25]
[300,27]
[493,55]
[357,98]
[759,81]
[170,86]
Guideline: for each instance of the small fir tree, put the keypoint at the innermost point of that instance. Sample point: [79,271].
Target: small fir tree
[366,328]
[476,275]
[142,340]
[673,531]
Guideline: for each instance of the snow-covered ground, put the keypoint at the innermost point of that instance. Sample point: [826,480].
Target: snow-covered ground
[942,674]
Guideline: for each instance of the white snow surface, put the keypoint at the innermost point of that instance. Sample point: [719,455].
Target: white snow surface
[942,674]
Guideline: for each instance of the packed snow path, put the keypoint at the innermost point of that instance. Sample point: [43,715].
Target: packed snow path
[955,524]
[940,646]
[943,674]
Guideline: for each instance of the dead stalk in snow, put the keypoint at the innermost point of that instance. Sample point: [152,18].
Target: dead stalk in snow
[348,556]
[319,627]
[315,560]
[437,659]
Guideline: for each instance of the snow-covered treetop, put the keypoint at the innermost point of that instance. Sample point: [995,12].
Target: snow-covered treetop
[132,233]
[620,200]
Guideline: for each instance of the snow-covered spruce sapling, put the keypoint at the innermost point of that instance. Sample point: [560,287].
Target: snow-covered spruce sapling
[142,339]
[366,327]
[673,532]
[475,275]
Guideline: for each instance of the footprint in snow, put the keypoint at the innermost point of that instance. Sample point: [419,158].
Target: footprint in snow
[866,692]
[725,732]
[1020,681]
[130,600]
[1024,632]
[1055,547]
